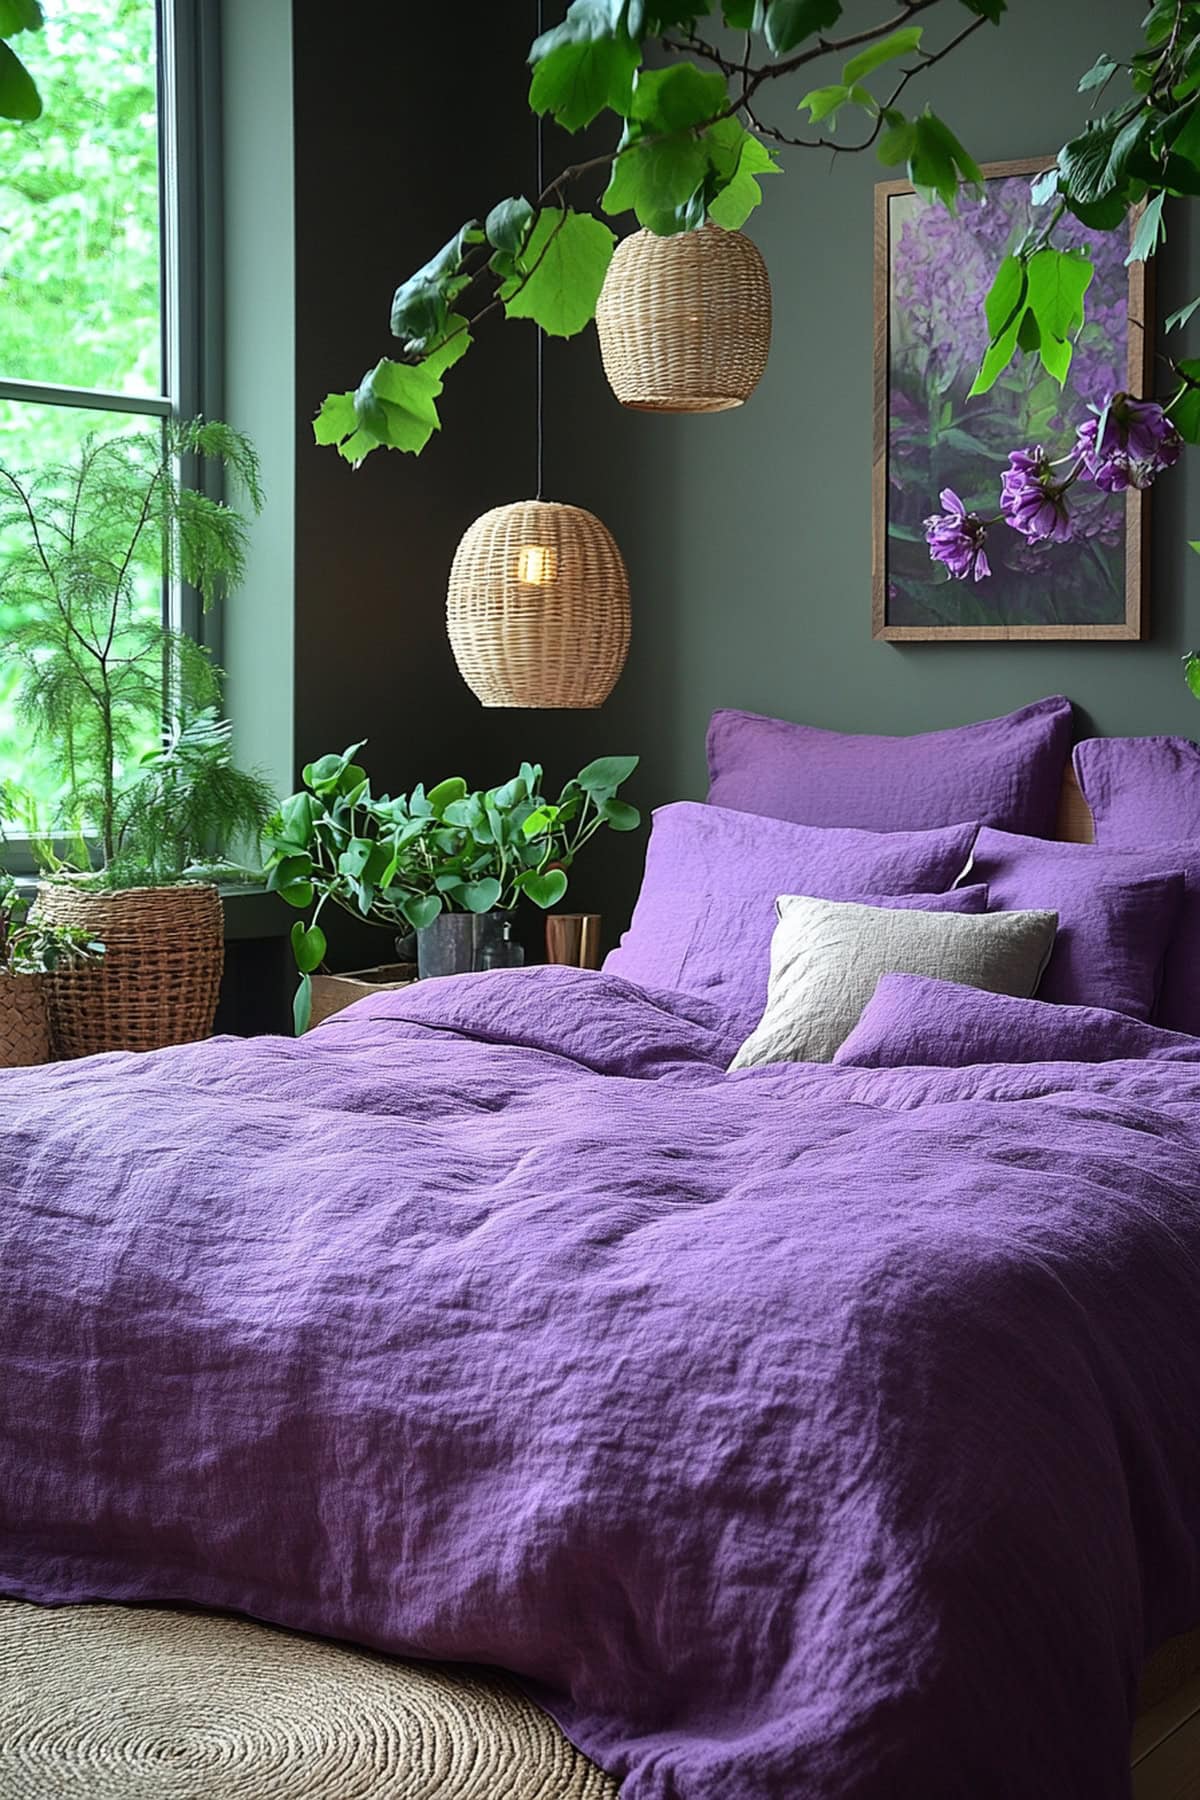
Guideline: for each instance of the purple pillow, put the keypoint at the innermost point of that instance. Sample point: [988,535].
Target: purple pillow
[1115,915]
[1007,772]
[1141,791]
[915,1021]
[706,911]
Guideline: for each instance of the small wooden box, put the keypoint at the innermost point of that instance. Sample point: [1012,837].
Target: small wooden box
[330,993]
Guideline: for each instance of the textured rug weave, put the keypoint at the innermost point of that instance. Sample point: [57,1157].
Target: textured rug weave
[129,1703]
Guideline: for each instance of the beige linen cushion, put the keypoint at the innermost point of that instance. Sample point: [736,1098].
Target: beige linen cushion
[827,955]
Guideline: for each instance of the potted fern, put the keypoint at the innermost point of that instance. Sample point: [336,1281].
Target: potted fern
[101,671]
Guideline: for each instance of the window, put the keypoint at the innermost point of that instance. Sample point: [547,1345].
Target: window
[92,237]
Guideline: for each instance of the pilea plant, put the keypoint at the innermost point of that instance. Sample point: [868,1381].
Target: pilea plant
[398,863]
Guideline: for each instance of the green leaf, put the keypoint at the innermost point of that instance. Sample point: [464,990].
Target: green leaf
[290,878]
[358,446]
[745,15]
[938,161]
[1005,308]
[539,821]
[421,304]
[336,420]
[298,814]
[478,896]
[308,947]
[355,857]
[507,225]
[1191,668]
[1185,408]
[1101,215]
[1029,335]
[676,98]
[789,22]
[299,894]
[302,1005]
[740,194]
[562,267]
[606,774]
[1058,281]
[824,102]
[421,909]
[1180,318]
[1094,163]
[450,348]
[663,163]
[987,9]
[897,141]
[1150,231]
[1101,71]
[583,66]
[20,15]
[19,98]
[446,793]
[619,815]
[395,404]
[899,43]
[544,890]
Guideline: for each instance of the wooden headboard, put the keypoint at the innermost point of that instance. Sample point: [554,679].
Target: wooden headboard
[1075,824]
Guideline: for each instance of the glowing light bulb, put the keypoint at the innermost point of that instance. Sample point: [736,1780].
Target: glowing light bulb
[537,564]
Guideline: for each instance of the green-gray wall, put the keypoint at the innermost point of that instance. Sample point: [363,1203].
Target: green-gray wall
[747,534]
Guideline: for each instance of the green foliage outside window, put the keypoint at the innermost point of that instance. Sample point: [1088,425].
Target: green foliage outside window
[79,278]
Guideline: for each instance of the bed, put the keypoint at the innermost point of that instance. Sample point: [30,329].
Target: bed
[484,1326]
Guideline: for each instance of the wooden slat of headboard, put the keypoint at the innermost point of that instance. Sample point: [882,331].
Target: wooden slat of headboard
[1075,823]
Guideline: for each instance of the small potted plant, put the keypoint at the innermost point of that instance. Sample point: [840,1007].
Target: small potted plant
[449,864]
[100,671]
[31,949]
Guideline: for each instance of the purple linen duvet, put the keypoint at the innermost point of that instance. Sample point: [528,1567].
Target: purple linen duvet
[809,1433]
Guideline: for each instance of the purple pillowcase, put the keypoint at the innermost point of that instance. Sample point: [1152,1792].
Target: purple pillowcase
[1007,772]
[706,910]
[1142,791]
[915,1021]
[1115,912]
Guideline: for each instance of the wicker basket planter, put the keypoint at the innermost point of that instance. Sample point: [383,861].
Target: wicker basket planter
[685,322]
[333,993]
[538,607]
[24,1021]
[158,981]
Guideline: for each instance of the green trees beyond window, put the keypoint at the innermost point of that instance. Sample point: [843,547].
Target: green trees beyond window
[80,300]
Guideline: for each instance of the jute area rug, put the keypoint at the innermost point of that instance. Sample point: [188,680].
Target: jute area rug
[133,1703]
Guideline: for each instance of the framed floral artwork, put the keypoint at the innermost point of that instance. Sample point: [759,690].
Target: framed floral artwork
[933,270]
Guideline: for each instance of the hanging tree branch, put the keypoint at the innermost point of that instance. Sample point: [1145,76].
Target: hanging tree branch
[684,157]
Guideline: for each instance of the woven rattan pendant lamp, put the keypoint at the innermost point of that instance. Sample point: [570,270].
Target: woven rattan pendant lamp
[538,610]
[685,321]
[538,603]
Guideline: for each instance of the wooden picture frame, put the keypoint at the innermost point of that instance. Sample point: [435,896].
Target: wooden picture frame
[888,621]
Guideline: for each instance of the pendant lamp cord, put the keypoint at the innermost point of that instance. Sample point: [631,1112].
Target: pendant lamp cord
[540,385]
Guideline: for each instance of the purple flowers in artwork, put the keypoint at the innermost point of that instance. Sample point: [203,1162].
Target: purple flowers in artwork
[956,538]
[1032,499]
[1125,445]
[1130,443]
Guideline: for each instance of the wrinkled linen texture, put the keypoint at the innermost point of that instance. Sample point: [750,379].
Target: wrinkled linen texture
[802,1432]
[1007,772]
[1140,790]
